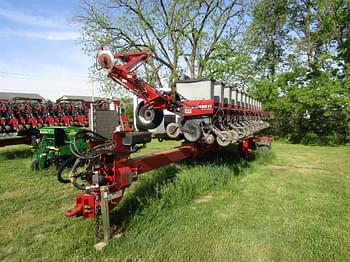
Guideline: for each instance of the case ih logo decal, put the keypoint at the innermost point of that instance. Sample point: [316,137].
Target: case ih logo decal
[197,108]
[204,106]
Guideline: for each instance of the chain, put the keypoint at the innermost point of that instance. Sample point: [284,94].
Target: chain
[98,224]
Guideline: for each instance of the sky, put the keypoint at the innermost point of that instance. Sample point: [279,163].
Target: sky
[39,49]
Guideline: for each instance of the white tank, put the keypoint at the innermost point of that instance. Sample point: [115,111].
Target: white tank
[233,95]
[227,95]
[218,92]
[239,97]
[196,89]
[243,98]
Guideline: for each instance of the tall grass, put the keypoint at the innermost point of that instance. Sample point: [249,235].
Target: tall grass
[179,184]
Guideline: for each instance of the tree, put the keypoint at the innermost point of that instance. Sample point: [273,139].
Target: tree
[268,35]
[288,33]
[233,64]
[300,44]
[182,35]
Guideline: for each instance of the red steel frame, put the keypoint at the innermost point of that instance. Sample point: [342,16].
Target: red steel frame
[121,171]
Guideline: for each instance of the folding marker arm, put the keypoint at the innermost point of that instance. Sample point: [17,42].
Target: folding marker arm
[124,75]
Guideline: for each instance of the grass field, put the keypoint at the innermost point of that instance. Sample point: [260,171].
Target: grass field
[291,205]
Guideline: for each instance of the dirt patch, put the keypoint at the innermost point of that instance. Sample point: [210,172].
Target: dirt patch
[203,199]
[12,194]
[288,167]
[16,220]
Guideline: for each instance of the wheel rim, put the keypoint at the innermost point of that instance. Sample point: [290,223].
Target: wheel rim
[226,140]
[148,118]
[146,115]
[209,139]
[195,132]
[173,130]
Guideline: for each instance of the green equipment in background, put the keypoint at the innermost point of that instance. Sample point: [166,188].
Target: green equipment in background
[54,146]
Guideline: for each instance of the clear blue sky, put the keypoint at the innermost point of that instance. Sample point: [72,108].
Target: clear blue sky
[39,49]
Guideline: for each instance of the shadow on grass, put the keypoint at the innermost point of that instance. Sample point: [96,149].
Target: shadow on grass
[226,156]
[14,153]
[138,198]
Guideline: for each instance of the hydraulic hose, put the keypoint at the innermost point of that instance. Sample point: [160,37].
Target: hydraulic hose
[62,167]
[92,153]
[73,176]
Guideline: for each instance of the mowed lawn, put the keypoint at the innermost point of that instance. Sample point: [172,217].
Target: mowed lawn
[290,205]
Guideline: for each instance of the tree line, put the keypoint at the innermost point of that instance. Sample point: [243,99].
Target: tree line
[293,55]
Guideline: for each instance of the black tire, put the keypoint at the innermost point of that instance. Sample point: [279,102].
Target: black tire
[240,149]
[148,118]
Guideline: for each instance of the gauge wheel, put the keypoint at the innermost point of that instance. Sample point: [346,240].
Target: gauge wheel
[172,130]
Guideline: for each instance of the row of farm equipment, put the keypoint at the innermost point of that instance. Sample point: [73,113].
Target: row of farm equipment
[26,117]
[22,112]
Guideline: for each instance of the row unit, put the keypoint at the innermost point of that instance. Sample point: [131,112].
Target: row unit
[218,91]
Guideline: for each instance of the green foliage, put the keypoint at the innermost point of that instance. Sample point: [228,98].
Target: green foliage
[268,35]
[301,106]
[231,65]
[128,108]
[310,138]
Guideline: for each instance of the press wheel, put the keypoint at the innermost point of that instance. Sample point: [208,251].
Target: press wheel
[192,131]
[225,140]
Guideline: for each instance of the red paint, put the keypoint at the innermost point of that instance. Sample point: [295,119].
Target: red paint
[120,171]
[85,206]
